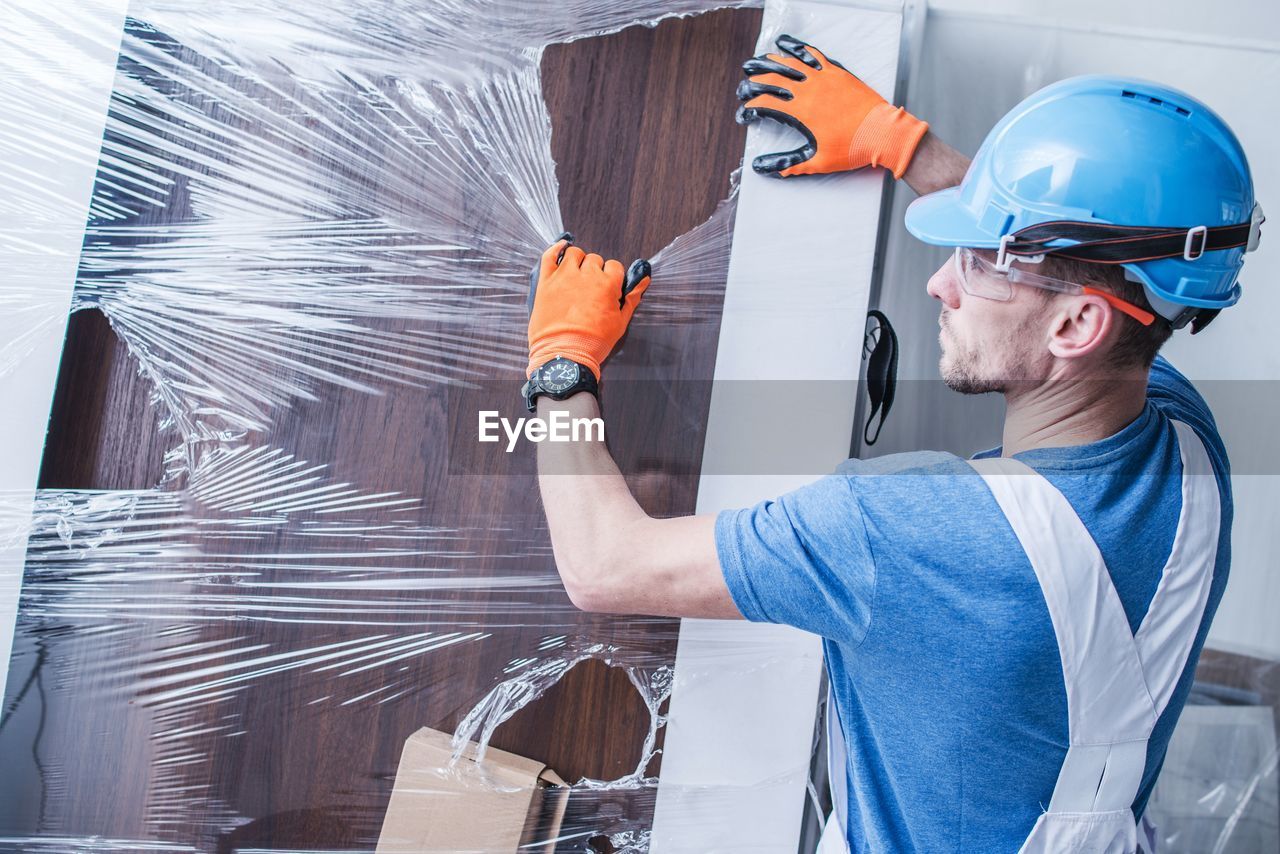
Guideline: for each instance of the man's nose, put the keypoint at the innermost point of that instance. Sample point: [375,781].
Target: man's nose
[943,286]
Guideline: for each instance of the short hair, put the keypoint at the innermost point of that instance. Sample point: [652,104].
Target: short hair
[1136,345]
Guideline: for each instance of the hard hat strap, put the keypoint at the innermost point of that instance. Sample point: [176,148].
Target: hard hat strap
[1102,243]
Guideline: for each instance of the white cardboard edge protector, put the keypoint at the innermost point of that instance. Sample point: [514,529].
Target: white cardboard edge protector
[740,730]
[57,65]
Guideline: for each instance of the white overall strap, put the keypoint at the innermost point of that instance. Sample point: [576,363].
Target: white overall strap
[1100,665]
[1118,683]
[1169,630]
[834,840]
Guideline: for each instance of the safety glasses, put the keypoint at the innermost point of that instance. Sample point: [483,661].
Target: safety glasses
[980,277]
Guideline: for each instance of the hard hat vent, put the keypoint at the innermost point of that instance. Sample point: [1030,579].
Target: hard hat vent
[1155,102]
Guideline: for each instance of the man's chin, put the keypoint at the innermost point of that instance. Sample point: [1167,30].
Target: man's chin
[958,379]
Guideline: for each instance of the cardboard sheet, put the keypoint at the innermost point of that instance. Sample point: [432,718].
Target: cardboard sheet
[496,804]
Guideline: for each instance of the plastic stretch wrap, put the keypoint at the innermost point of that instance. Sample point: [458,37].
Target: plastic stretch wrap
[273,254]
[303,205]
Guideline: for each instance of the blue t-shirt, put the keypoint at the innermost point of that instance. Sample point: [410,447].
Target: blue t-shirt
[941,654]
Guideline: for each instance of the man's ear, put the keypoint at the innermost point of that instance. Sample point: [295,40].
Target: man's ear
[1082,324]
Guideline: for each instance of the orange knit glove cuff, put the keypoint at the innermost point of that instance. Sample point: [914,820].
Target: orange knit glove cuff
[888,137]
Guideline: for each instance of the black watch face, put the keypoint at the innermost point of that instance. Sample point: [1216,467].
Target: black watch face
[558,375]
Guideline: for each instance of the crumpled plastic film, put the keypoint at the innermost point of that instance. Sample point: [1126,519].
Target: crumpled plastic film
[122,587]
[257,283]
[176,645]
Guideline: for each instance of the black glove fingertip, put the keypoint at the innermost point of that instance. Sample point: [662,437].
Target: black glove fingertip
[749,89]
[639,270]
[746,115]
[773,164]
[765,164]
[794,47]
[566,236]
[757,65]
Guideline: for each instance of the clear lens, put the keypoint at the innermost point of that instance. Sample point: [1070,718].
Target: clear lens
[1035,280]
[979,279]
[979,276]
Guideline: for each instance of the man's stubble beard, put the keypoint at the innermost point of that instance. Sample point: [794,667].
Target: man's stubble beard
[959,376]
[961,369]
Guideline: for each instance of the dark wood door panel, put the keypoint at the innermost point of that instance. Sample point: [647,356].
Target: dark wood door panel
[256,688]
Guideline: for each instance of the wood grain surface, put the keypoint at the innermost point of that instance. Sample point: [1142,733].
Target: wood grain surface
[644,141]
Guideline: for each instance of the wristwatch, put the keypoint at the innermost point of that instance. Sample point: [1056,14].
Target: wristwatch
[558,379]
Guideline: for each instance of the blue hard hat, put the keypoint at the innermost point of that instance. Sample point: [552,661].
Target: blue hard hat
[1146,160]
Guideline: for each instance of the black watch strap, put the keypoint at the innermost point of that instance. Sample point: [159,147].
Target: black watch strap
[537,385]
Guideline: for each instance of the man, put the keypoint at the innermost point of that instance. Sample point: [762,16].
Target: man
[1009,652]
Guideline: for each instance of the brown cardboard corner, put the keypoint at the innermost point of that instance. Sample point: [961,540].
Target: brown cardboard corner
[497,805]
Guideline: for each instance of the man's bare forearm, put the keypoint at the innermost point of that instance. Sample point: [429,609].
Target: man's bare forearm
[612,556]
[588,504]
[935,166]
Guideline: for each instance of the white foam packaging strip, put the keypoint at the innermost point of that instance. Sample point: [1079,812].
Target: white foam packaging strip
[795,305]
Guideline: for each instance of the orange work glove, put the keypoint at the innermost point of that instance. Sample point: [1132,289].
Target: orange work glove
[581,305]
[847,124]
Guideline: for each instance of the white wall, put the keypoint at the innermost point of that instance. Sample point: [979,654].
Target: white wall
[979,59]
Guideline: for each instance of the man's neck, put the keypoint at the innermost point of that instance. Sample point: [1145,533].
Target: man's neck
[1062,412]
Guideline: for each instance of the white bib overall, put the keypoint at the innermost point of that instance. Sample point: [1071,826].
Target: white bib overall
[1118,683]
